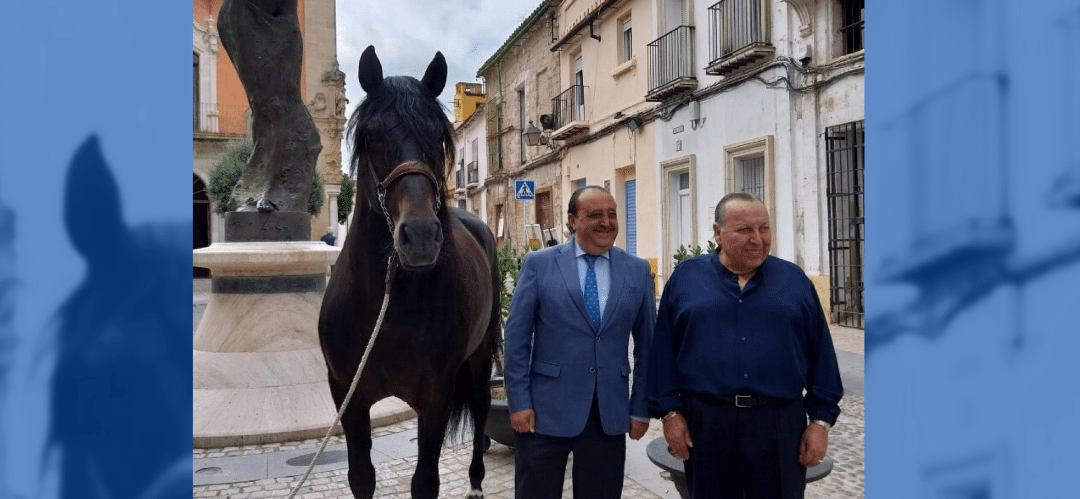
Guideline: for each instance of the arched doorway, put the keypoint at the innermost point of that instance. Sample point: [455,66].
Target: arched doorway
[200,221]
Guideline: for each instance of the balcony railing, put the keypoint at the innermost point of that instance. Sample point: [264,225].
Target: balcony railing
[738,35]
[459,178]
[474,173]
[209,117]
[671,64]
[569,113]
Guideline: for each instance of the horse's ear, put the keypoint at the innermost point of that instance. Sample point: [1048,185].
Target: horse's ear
[435,76]
[370,70]
[92,214]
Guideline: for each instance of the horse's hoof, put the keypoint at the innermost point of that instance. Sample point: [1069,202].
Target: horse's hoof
[475,494]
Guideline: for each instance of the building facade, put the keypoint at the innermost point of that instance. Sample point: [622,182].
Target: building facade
[764,96]
[520,79]
[599,111]
[221,116]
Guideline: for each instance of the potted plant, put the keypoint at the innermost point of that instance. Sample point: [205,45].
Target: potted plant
[498,423]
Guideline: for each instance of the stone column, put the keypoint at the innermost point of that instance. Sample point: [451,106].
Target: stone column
[332,192]
[328,109]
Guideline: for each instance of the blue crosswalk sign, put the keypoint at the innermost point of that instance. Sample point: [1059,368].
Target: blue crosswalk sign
[524,190]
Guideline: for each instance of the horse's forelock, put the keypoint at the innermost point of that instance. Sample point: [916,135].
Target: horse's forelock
[404,101]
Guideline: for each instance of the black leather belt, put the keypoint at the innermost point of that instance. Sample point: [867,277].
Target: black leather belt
[746,400]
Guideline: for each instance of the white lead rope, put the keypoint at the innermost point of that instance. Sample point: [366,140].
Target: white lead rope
[355,381]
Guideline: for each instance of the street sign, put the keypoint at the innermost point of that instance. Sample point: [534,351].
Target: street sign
[524,190]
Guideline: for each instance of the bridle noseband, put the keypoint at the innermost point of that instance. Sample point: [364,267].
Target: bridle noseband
[401,170]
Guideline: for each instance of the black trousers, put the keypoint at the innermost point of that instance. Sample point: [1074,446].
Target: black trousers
[540,463]
[748,452]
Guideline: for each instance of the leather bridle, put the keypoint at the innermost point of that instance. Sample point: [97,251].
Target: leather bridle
[412,167]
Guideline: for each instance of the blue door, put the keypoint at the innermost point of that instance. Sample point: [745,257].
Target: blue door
[631,217]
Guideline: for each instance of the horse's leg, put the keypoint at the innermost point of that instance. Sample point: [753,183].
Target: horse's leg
[432,421]
[479,403]
[357,425]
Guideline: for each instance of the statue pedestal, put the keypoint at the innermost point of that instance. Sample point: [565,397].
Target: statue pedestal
[258,372]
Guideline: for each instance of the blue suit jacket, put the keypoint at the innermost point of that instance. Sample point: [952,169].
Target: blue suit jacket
[555,362]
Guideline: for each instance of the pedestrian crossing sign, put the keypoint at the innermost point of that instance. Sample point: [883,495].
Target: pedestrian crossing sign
[524,190]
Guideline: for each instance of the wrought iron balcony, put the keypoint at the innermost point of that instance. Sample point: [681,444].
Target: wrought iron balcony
[671,64]
[569,114]
[474,173]
[211,117]
[459,178]
[738,35]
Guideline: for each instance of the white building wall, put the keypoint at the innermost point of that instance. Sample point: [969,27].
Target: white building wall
[752,110]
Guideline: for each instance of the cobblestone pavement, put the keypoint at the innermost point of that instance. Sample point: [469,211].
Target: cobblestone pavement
[845,448]
[392,476]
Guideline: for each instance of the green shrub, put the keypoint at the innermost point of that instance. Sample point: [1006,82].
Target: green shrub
[345,199]
[228,172]
[683,253]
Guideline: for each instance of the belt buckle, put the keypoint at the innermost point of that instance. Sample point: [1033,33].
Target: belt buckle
[737,400]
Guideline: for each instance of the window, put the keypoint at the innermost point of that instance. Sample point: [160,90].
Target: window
[845,165]
[577,184]
[679,210]
[750,176]
[579,89]
[473,174]
[739,35]
[749,168]
[626,41]
[195,71]
[851,24]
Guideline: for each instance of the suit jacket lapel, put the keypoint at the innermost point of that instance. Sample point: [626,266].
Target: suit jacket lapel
[616,263]
[567,263]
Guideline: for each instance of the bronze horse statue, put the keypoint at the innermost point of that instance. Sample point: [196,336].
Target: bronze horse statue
[437,343]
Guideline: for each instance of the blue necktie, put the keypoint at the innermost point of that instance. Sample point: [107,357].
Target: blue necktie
[592,295]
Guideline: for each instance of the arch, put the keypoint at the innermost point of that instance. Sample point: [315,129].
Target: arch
[200,221]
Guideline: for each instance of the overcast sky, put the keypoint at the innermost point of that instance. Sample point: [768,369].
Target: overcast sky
[407,33]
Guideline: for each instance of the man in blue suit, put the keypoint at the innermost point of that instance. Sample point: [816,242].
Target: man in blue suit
[567,370]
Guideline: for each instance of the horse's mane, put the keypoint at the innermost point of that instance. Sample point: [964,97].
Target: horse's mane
[404,102]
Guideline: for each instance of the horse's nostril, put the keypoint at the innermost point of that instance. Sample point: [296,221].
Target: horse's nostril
[404,233]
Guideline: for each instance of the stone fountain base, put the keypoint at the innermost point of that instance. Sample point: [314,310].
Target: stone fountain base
[257,369]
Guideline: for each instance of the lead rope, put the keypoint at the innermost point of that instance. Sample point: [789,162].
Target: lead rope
[356,378]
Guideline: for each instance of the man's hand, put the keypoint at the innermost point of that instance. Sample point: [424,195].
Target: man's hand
[523,421]
[677,435]
[814,442]
[637,429]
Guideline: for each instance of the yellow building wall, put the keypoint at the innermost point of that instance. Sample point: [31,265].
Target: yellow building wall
[231,98]
[614,91]
[467,96]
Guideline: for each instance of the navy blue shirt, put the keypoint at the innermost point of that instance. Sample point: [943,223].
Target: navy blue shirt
[769,339]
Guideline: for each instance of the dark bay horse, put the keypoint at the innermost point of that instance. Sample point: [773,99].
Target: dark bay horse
[437,342]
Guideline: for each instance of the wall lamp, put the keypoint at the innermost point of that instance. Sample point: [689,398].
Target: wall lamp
[534,136]
[634,123]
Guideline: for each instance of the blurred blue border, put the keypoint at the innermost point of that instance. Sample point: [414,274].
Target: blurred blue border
[973,248]
[71,69]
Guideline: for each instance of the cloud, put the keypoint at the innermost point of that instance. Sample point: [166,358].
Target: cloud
[407,33]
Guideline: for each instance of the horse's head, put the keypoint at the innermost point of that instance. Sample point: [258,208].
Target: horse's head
[402,141]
